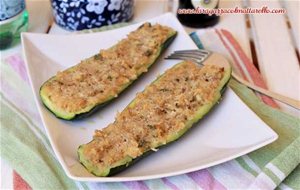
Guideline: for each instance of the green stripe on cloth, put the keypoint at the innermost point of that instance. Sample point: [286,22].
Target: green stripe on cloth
[27,154]
[293,180]
[270,174]
[284,153]
[283,160]
[242,162]
[287,127]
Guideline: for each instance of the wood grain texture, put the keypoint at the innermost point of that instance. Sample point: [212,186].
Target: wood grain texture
[293,13]
[275,51]
[236,24]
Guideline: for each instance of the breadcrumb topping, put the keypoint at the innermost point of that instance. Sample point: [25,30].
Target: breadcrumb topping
[106,74]
[157,114]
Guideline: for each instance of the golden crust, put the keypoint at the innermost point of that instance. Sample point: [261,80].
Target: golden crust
[104,75]
[161,110]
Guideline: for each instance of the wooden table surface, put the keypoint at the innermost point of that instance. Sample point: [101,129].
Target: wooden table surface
[271,41]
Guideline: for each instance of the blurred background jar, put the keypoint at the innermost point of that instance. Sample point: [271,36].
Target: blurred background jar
[198,20]
[13,21]
[87,14]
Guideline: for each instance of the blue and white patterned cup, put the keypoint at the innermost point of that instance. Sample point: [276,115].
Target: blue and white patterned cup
[86,14]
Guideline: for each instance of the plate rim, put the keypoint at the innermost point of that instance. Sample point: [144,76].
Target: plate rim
[169,174]
[60,158]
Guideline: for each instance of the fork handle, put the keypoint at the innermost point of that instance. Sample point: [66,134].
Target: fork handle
[289,101]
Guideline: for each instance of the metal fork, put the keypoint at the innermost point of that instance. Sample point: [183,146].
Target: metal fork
[203,57]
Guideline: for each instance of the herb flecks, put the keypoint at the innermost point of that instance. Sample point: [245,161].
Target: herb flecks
[151,126]
[148,53]
[97,57]
[164,90]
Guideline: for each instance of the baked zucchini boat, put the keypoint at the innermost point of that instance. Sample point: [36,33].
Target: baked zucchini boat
[160,114]
[83,88]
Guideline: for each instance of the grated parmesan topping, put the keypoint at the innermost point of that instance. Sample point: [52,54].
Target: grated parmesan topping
[157,114]
[106,74]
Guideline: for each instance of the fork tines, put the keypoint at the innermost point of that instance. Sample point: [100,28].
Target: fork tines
[196,55]
[201,51]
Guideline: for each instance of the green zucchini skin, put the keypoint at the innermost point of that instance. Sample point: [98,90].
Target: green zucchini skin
[102,104]
[120,168]
[116,170]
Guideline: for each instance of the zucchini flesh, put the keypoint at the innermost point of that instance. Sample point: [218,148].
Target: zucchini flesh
[80,90]
[162,113]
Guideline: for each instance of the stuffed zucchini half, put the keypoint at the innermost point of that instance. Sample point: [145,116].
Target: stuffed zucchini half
[83,88]
[160,114]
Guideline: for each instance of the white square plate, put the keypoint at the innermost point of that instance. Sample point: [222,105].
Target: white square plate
[229,131]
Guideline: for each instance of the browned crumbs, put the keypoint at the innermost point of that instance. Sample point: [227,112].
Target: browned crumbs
[104,75]
[157,113]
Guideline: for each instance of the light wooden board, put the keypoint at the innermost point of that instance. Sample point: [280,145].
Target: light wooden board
[275,51]
[293,13]
[236,24]
[40,15]
[146,9]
